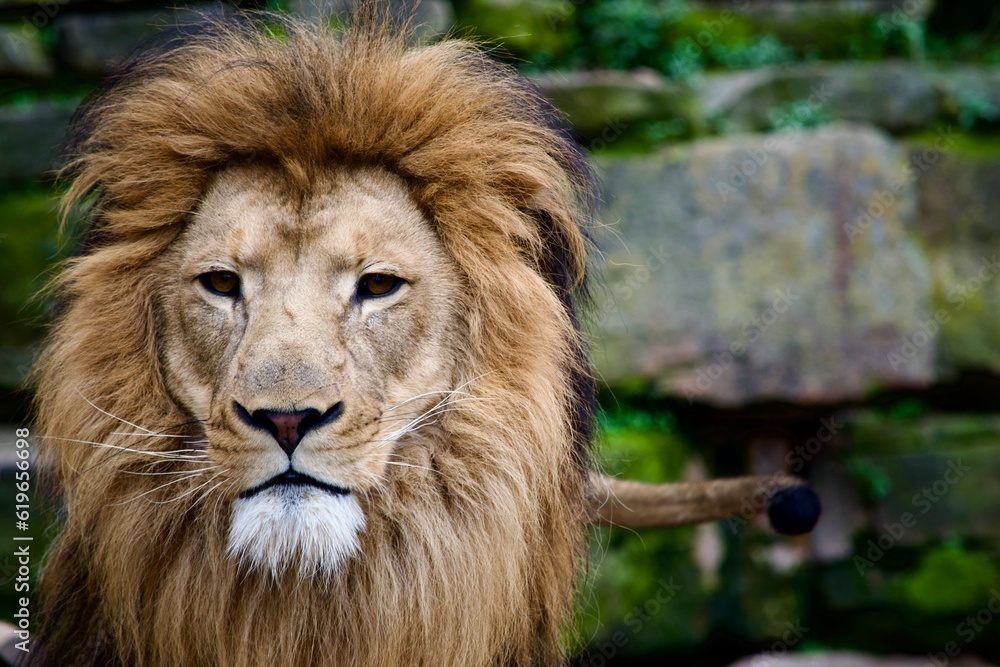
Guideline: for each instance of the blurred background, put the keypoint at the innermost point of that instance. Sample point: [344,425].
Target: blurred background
[799,272]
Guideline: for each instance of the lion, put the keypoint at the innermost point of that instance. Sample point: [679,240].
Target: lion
[317,392]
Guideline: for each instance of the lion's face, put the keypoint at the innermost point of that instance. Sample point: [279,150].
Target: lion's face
[309,336]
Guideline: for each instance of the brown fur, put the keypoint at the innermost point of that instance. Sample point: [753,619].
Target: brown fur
[473,563]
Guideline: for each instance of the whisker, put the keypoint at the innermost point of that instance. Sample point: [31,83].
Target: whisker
[172,472]
[186,493]
[425,395]
[417,423]
[186,458]
[204,494]
[411,465]
[149,435]
[146,433]
[449,403]
[443,404]
[161,486]
[124,421]
[215,509]
[456,390]
[433,411]
[169,454]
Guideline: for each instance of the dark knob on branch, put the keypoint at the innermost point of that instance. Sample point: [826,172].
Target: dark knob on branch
[794,510]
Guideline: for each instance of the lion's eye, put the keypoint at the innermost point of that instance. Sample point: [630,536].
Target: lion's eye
[223,283]
[378,284]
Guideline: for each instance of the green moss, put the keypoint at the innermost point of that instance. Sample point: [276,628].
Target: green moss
[725,28]
[643,137]
[967,336]
[872,478]
[876,433]
[633,387]
[642,445]
[644,592]
[623,34]
[540,33]
[948,580]
[974,146]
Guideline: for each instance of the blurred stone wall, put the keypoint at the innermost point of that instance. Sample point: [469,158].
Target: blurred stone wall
[798,272]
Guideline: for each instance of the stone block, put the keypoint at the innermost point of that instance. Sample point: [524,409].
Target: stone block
[736,276]
[956,180]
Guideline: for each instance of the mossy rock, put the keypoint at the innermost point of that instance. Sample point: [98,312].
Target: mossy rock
[756,600]
[889,433]
[956,223]
[731,278]
[646,594]
[969,334]
[972,95]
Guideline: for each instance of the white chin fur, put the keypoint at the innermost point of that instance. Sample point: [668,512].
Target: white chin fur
[301,528]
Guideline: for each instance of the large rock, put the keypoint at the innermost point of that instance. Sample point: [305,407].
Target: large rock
[762,268]
[892,95]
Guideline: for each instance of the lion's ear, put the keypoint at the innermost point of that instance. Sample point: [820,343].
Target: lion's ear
[793,508]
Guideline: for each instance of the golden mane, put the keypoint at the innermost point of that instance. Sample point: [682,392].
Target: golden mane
[480,570]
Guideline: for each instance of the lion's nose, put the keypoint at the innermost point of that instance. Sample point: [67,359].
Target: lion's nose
[288,428]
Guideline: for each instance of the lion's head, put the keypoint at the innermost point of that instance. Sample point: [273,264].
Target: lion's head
[317,393]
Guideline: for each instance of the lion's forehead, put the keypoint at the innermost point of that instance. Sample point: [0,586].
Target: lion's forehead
[345,220]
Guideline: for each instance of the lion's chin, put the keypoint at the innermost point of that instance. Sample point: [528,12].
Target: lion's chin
[295,528]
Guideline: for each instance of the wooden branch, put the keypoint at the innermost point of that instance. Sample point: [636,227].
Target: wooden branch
[631,504]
